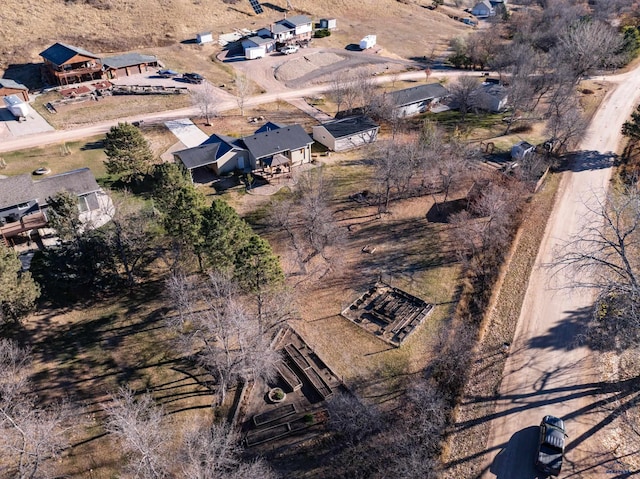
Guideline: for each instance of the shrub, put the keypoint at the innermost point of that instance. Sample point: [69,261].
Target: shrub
[322,33]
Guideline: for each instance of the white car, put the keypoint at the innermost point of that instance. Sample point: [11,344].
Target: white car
[289,49]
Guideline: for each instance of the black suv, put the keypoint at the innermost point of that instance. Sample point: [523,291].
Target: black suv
[192,78]
[551,445]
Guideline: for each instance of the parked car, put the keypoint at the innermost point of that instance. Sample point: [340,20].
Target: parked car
[168,73]
[192,78]
[551,445]
[289,49]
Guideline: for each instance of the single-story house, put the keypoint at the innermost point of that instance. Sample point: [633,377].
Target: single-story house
[491,97]
[65,64]
[521,150]
[10,87]
[291,142]
[270,146]
[483,9]
[417,99]
[23,202]
[119,66]
[346,133]
[295,28]
[222,154]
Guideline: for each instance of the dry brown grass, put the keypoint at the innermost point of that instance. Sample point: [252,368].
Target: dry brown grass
[108,108]
[139,25]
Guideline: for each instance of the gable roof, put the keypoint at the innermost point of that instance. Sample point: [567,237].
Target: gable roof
[268,126]
[417,93]
[79,182]
[269,143]
[349,126]
[59,53]
[197,156]
[8,83]
[15,190]
[128,60]
[497,91]
[21,188]
[281,26]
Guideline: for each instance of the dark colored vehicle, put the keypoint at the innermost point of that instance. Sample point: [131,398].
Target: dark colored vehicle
[192,78]
[551,445]
[168,73]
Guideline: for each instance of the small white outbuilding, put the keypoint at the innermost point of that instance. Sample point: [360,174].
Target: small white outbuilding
[205,37]
[367,42]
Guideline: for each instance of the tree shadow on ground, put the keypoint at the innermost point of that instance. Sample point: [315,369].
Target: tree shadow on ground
[587,160]
[441,212]
[569,333]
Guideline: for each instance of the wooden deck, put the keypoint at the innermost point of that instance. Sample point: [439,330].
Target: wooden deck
[33,221]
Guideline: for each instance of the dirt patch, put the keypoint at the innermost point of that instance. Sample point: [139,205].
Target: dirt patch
[305,64]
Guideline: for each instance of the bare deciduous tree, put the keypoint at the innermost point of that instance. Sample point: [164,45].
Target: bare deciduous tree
[204,98]
[217,330]
[604,256]
[244,88]
[137,423]
[31,436]
[462,94]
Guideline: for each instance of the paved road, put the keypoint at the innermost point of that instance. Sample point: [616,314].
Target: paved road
[226,103]
[547,373]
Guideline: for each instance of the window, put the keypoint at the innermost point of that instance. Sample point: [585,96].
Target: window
[83,206]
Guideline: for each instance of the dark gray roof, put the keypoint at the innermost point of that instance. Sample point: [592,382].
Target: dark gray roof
[260,40]
[418,93]
[276,141]
[349,126]
[128,60]
[79,182]
[496,91]
[268,126]
[280,27]
[58,53]
[15,190]
[198,156]
[7,83]
[20,189]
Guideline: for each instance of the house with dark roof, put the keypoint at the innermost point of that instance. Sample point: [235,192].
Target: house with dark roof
[346,133]
[272,145]
[119,66]
[483,9]
[10,87]
[23,202]
[415,100]
[65,64]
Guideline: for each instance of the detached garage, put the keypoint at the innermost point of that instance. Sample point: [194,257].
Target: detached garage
[346,133]
[10,87]
[127,64]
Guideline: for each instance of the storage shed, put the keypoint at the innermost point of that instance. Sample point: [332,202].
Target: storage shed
[367,42]
[10,87]
[204,37]
[119,66]
[346,133]
[329,23]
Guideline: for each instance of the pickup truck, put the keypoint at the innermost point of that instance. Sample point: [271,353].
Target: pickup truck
[550,445]
[289,49]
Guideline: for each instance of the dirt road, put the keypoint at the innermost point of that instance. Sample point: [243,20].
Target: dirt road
[548,372]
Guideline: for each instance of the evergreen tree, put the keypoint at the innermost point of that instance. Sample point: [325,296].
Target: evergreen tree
[64,215]
[18,291]
[223,234]
[128,153]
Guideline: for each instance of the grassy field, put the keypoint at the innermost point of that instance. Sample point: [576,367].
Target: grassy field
[58,158]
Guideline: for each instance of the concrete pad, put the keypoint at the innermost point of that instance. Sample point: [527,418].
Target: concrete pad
[32,125]
[187,132]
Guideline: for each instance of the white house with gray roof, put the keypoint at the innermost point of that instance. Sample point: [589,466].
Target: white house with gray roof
[346,133]
[417,99]
[23,202]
